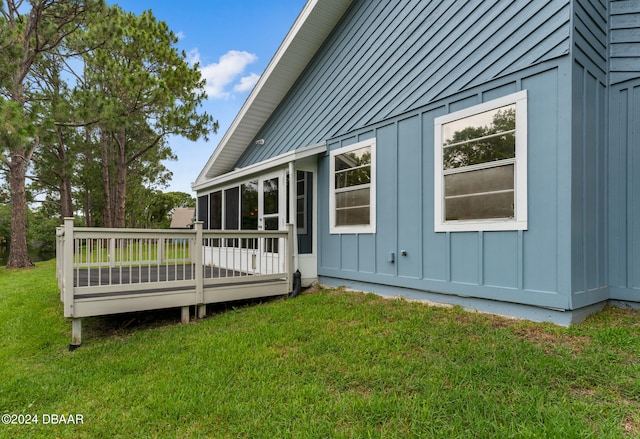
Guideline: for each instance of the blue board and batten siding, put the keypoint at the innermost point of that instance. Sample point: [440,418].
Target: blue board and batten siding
[531,267]
[588,153]
[624,187]
[390,68]
[624,151]
[624,40]
[387,58]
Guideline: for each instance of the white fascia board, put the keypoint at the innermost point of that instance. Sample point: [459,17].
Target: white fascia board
[262,167]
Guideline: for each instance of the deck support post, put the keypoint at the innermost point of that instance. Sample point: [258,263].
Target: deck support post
[202,311]
[184,315]
[76,334]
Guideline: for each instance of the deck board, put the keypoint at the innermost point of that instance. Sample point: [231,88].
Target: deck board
[93,277]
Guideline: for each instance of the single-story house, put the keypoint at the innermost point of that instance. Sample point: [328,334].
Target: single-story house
[481,153]
[182,218]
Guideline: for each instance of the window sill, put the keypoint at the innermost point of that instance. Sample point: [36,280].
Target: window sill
[480,226]
[352,230]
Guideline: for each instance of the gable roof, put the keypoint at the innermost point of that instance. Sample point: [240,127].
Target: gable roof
[182,217]
[313,25]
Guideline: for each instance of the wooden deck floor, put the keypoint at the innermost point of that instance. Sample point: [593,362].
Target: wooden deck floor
[93,277]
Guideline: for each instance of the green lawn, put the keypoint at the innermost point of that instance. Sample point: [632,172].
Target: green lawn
[326,364]
[133,250]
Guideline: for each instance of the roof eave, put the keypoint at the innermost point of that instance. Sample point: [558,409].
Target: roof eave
[313,25]
[264,166]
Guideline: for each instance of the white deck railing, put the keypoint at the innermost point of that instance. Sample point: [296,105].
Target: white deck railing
[109,271]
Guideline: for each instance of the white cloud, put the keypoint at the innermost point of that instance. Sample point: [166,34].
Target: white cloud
[193,56]
[246,83]
[180,35]
[222,77]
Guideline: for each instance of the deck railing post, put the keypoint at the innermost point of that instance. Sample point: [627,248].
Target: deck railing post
[199,267]
[67,283]
[160,250]
[60,259]
[289,262]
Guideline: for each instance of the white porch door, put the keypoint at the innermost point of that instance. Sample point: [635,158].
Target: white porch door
[271,216]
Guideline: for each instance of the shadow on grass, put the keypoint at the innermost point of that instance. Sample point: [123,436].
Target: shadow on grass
[119,325]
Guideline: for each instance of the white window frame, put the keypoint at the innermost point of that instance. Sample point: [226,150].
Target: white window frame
[519,221]
[301,228]
[361,229]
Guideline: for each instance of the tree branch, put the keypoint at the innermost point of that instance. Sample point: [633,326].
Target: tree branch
[30,151]
[77,124]
[147,148]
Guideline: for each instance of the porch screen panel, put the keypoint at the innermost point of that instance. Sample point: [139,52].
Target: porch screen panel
[215,212]
[249,211]
[203,211]
[232,212]
[231,208]
[250,206]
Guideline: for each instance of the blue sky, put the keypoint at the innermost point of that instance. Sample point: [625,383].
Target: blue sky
[233,40]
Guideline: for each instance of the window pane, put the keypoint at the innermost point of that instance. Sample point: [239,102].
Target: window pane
[300,213]
[353,187]
[490,122]
[300,182]
[271,223]
[483,206]
[483,180]
[352,217]
[498,147]
[231,204]
[270,196]
[250,206]
[353,177]
[271,244]
[353,198]
[353,159]
[215,214]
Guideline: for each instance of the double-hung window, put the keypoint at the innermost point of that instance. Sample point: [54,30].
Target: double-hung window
[352,205]
[481,167]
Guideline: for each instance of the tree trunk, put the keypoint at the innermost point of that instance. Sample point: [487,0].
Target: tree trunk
[88,157]
[106,180]
[64,187]
[121,187]
[18,252]
[66,202]
[18,162]
[88,209]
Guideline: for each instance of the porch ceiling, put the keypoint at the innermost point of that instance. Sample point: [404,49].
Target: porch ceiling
[311,28]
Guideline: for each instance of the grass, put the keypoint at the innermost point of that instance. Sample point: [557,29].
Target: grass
[143,250]
[327,364]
